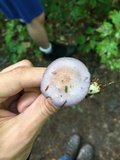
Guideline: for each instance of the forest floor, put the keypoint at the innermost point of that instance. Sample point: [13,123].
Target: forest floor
[96,119]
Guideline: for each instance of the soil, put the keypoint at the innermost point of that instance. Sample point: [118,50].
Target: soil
[96,119]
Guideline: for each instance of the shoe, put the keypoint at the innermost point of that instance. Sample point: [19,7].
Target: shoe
[85,153]
[71,148]
[60,50]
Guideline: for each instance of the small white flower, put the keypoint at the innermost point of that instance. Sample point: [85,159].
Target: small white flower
[97,87]
[94,88]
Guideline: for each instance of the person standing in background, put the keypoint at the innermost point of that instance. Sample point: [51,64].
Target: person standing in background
[32,14]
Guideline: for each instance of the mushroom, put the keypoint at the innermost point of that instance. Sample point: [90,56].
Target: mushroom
[66,81]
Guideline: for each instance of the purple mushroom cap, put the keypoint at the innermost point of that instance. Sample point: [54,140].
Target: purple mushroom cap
[66,81]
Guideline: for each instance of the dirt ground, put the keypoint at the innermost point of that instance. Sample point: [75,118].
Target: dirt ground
[96,119]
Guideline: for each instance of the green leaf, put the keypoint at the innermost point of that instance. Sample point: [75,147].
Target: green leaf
[81,2]
[115,17]
[93,3]
[81,39]
[106,29]
[89,30]
[107,46]
[79,108]
[92,43]
[117,34]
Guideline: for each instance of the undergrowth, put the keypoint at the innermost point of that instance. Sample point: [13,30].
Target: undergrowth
[96,24]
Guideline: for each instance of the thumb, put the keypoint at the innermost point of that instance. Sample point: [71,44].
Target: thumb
[33,118]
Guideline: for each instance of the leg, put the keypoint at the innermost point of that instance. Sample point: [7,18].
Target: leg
[34,20]
[37,32]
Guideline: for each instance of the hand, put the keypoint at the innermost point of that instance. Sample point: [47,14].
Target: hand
[23,109]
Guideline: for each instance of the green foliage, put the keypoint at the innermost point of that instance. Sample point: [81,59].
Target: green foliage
[16,41]
[96,24]
[109,40]
[14,47]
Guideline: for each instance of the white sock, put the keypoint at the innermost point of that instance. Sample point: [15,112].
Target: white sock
[46,50]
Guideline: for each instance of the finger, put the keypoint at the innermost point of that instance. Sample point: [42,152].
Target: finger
[15,80]
[10,101]
[26,100]
[32,119]
[6,114]
[19,64]
[13,108]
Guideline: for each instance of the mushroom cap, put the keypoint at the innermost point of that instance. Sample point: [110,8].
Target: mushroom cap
[66,81]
